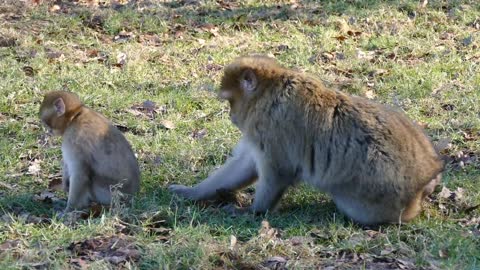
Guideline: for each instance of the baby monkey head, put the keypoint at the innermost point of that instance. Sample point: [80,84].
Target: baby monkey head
[58,109]
[245,81]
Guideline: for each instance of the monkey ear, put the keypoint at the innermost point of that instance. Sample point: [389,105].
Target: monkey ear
[248,82]
[59,106]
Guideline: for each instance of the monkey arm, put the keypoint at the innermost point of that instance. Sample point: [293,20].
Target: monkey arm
[79,192]
[65,177]
[239,171]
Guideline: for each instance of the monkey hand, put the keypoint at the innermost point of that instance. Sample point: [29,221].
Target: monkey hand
[183,191]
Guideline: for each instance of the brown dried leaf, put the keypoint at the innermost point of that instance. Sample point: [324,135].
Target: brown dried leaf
[9,245]
[123,36]
[121,59]
[233,242]
[114,249]
[448,107]
[54,8]
[167,124]
[275,263]
[54,55]
[8,42]
[456,195]
[370,94]
[34,167]
[29,71]
[55,184]
[443,253]
[199,134]
[266,231]
[45,196]
[79,263]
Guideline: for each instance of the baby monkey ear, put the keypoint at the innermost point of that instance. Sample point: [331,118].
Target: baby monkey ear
[248,81]
[59,106]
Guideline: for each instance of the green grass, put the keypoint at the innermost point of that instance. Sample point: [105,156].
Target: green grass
[423,60]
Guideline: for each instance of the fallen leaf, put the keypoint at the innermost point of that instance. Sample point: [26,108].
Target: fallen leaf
[123,36]
[370,94]
[199,134]
[34,167]
[167,124]
[365,55]
[54,8]
[45,196]
[121,59]
[29,71]
[233,242]
[9,245]
[79,262]
[470,135]
[275,263]
[451,195]
[115,249]
[266,231]
[213,67]
[8,42]
[53,54]
[448,107]
[55,184]
[354,33]
[443,253]
[147,108]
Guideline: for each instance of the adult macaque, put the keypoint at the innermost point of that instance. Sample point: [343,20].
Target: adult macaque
[96,155]
[373,161]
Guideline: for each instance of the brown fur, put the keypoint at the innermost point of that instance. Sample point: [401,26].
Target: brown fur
[374,162]
[96,154]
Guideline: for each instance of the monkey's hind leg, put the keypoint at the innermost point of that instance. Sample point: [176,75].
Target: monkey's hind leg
[415,206]
[270,188]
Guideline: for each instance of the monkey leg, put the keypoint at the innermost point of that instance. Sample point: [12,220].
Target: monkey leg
[239,171]
[270,188]
[415,206]
[79,192]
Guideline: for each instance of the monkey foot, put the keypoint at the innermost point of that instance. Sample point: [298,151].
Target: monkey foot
[181,190]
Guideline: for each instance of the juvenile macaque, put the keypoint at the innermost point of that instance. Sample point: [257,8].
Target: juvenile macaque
[96,155]
[373,161]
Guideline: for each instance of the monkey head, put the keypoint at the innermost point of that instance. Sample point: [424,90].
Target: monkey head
[57,110]
[243,84]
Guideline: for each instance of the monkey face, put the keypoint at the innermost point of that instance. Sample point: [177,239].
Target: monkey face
[238,88]
[48,123]
[52,115]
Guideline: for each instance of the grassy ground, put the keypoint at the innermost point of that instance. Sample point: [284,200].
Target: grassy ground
[121,58]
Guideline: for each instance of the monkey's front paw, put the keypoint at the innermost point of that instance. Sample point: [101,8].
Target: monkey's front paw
[234,210]
[181,190]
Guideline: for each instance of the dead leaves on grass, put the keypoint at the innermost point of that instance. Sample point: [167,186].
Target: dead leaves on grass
[271,251]
[116,250]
